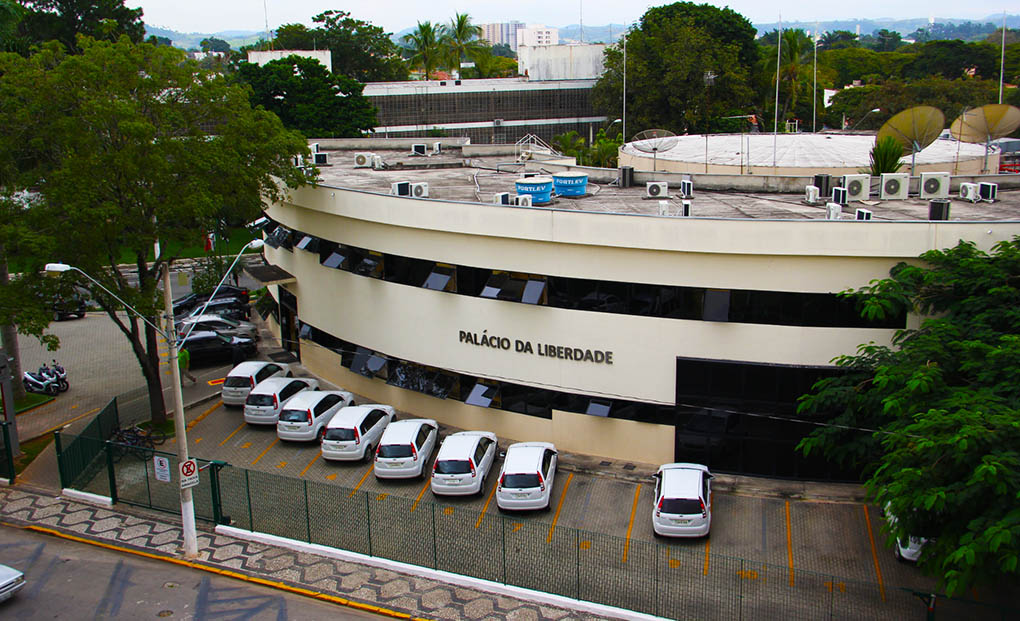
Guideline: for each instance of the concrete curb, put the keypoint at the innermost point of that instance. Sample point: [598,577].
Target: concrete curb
[86,497]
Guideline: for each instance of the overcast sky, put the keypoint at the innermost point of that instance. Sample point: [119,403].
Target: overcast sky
[210,16]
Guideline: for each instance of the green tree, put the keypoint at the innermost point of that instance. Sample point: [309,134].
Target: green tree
[885,156]
[310,99]
[837,39]
[892,96]
[795,58]
[462,39]
[883,40]
[952,59]
[133,144]
[503,49]
[212,44]
[944,400]
[359,50]
[11,14]
[64,20]
[858,63]
[425,47]
[295,37]
[489,65]
[153,39]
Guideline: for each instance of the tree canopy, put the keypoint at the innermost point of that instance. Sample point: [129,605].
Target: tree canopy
[212,44]
[310,99]
[64,20]
[131,143]
[943,401]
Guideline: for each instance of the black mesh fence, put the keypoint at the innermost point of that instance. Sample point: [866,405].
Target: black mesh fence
[80,457]
[6,452]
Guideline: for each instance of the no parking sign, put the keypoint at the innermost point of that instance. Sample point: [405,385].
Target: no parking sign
[189,473]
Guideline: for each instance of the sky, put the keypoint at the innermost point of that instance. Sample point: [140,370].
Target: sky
[395,15]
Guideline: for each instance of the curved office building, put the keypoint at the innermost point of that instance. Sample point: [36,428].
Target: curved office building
[598,326]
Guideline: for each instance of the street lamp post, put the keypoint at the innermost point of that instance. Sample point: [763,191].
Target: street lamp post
[188,529]
[864,117]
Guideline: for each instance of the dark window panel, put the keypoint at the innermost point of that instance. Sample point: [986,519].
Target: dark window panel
[513,290]
[309,243]
[494,285]
[717,305]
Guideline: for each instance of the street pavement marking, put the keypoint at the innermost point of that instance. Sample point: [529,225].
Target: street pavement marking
[789,541]
[74,407]
[246,445]
[240,427]
[317,455]
[481,515]
[282,464]
[674,563]
[874,554]
[216,382]
[420,494]
[202,415]
[262,454]
[66,423]
[331,477]
[448,511]
[559,507]
[630,526]
[197,440]
[708,546]
[516,526]
[363,477]
[381,496]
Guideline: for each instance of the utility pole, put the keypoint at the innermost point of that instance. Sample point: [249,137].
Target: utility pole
[7,393]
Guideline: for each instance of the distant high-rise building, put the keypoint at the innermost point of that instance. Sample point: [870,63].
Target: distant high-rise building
[504,32]
[534,35]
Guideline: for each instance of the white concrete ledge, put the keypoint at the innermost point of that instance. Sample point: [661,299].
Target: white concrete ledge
[86,497]
[442,576]
[4,481]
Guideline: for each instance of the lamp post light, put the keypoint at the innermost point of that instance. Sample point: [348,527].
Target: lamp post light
[864,117]
[170,334]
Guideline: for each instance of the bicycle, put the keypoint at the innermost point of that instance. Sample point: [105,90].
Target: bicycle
[136,440]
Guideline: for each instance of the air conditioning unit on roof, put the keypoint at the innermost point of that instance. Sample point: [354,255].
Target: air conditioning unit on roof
[663,208]
[420,190]
[400,188]
[321,158]
[934,185]
[839,195]
[894,186]
[523,200]
[363,160]
[833,211]
[418,149]
[378,163]
[501,198]
[656,189]
[970,192]
[988,191]
[811,194]
[686,188]
[858,187]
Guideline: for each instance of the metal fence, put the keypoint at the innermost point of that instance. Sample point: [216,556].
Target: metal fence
[6,452]
[674,580]
[78,456]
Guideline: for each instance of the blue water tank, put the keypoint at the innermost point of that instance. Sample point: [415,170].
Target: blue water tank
[570,183]
[540,188]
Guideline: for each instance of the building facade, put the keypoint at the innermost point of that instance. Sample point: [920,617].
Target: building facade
[626,336]
[324,57]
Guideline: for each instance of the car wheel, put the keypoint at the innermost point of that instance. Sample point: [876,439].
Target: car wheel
[367,457]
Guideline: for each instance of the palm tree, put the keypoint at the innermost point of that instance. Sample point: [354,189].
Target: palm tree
[463,39]
[425,46]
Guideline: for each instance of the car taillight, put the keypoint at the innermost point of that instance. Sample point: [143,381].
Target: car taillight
[414,453]
[658,508]
[502,478]
[541,481]
[252,381]
[310,416]
[472,464]
[435,466]
[704,513]
[377,451]
[357,437]
[276,402]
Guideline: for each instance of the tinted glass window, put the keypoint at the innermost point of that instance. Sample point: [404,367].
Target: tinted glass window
[681,506]
[521,481]
[395,450]
[259,400]
[340,435]
[294,416]
[237,382]
[453,466]
[327,402]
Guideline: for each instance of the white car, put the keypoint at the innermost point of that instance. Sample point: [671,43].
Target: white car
[355,431]
[527,478]
[11,581]
[463,463]
[405,447]
[908,549]
[266,400]
[246,376]
[306,414]
[683,500]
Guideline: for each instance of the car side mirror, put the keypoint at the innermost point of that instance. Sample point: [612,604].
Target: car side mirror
[502,454]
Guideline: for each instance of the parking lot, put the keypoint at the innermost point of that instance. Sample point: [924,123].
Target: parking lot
[842,539]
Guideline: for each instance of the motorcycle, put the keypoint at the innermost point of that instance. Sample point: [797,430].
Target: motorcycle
[36,382]
[57,373]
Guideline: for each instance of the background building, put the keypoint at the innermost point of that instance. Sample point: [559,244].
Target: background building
[504,32]
[535,34]
[324,57]
[562,62]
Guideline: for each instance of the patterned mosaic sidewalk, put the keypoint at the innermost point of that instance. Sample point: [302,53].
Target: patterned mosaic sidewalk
[369,585]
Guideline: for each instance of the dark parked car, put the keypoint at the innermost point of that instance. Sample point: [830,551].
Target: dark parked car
[188,303]
[210,347]
[231,308]
[67,306]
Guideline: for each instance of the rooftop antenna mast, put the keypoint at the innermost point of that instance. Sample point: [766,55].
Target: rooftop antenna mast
[265,9]
[580,17]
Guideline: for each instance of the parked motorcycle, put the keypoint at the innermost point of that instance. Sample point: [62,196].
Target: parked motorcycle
[57,373]
[36,382]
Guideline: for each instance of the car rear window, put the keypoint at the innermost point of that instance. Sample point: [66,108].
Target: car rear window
[294,416]
[259,400]
[453,466]
[343,435]
[681,506]
[395,450]
[237,381]
[521,481]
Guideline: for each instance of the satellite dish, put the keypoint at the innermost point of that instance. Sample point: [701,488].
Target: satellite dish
[655,140]
[986,124]
[914,128]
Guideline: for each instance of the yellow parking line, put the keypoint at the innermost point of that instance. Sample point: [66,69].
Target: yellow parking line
[203,415]
[559,507]
[630,526]
[708,547]
[273,443]
[789,541]
[487,501]
[420,494]
[66,423]
[317,455]
[874,554]
[225,440]
[363,477]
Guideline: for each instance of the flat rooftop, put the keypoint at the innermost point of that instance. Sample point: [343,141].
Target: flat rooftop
[454,178]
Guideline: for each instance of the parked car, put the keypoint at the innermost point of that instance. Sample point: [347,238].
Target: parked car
[527,477]
[232,308]
[355,431]
[67,306]
[908,549]
[186,304]
[463,463]
[405,448]
[219,324]
[307,413]
[246,376]
[205,347]
[11,581]
[267,399]
[683,500]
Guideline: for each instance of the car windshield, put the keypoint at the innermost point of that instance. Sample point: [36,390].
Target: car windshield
[225,339]
[294,416]
[237,381]
[453,466]
[395,450]
[681,506]
[259,400]
[521,481]
[340,435]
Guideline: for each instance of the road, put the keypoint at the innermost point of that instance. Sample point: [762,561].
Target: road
[70,580]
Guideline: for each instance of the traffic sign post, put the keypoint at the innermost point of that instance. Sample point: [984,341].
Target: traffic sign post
[189,473]
[162,467]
